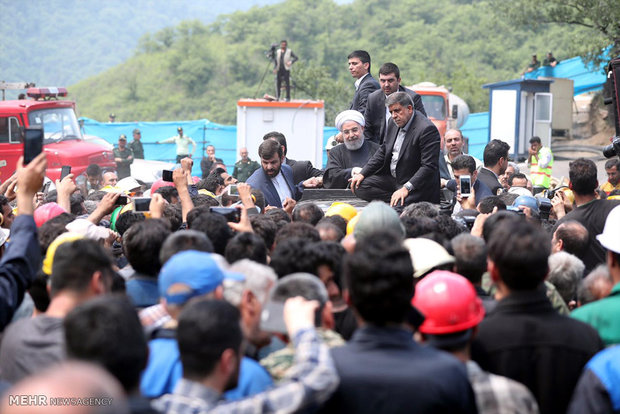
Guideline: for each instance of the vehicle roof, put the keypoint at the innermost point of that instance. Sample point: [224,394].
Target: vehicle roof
[23,105]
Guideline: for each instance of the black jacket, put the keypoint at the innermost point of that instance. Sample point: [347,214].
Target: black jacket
[367,86]
[302,170]
[375,113]
[525,339]
[418,161]
[382,370]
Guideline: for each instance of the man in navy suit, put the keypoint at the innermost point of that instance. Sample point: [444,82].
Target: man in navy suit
[302,170]
[275,179]
[359,66]
[405,168]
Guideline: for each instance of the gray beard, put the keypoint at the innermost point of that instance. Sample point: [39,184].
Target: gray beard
[352,146]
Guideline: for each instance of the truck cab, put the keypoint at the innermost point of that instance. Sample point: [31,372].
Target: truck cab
[63,141]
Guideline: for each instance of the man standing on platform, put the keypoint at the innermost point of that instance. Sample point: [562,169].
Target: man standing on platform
[365,84]
[284,60]
[405,168]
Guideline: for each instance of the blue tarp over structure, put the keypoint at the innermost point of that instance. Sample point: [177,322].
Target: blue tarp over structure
[203,131]
[586,78]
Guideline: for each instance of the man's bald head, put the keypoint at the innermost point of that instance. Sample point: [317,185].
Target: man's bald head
[63,381]
[571,237]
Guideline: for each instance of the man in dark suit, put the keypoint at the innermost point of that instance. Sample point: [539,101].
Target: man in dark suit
[359,66]
[495,158]
[302,170]
[405,167]
[275,179]
[376,116]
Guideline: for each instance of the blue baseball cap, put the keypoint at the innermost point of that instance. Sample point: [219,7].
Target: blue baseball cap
[196,270]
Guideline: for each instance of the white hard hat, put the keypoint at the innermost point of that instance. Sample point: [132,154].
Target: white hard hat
[610,238]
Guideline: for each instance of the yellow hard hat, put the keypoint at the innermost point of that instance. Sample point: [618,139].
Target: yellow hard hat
[351,224]
[569,195]
[344,210]
[51,250]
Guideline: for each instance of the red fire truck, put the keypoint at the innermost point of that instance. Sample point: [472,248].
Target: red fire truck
[63,140]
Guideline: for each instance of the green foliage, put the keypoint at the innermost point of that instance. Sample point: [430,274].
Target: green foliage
[59,42]
[199,71]
[599,21]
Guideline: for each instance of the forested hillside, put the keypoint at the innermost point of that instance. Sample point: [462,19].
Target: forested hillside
[199,71]
[59,42]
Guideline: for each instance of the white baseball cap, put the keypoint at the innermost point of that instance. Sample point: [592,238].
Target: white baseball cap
[610,238]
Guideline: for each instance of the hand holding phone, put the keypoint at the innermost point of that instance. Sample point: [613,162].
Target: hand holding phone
[465,185]
[65,170]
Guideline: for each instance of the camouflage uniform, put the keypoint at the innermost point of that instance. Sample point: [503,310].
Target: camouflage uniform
[278,363]
[243,170]
[552,293]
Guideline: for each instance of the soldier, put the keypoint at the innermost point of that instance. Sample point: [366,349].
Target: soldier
[123,156]
[244,167]
[136,145]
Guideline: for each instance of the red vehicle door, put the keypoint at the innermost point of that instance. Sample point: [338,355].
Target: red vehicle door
[11,147]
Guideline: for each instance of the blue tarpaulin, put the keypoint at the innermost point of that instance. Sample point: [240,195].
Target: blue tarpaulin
[476,130]
[586,78]
[203,131]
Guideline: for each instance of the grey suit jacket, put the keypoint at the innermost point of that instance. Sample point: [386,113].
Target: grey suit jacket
[375,113]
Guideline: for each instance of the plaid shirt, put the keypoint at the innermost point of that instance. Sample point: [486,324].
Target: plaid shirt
[311,381]
[499,395]
[154,317]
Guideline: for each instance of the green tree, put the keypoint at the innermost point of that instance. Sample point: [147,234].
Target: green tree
[599,18]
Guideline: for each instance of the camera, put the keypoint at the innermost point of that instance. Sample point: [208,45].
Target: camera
[271,53]
[612,149]
[613,75]
[551,193]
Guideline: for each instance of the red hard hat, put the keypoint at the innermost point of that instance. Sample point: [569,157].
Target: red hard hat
[448,301]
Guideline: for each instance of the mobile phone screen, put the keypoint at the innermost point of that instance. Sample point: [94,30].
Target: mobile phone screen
[465,185]
[142,204]
[166,175]
[33,143]
[66,170]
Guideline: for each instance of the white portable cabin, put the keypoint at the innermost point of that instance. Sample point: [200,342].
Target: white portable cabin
[301,122]
[518,110]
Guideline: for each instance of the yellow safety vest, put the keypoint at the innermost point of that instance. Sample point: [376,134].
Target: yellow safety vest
[541,177]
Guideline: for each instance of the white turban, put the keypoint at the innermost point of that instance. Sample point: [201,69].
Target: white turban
[349,115]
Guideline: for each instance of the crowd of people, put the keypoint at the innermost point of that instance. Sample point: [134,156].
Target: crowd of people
[228,293]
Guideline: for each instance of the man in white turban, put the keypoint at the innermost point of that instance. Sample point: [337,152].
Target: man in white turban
[347,159]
